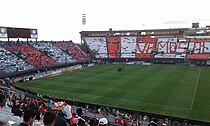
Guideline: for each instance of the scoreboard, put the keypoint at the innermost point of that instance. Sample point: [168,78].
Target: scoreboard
[18,33]
[9,32]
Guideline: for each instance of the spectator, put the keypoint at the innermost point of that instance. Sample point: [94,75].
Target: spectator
[18,111]
[49,119]
[68,110]
[60,121]
[2,98]
[103,122]
[153,122]
[81,122]
[79,112]
[92,122]
[28,118]
[42,108]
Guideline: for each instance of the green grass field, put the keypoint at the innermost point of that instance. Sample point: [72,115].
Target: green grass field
[175,90]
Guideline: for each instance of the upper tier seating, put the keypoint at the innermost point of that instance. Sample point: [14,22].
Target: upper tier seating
[199,47]
[114,46]
[53,51]
[142,47]
[10,63]
[98,46]
[171,48]
[31,55]
[128,47]
[113,51]
[73,49]
[145,47]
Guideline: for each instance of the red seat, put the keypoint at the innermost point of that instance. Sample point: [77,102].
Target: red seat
[76,52]
[32,55]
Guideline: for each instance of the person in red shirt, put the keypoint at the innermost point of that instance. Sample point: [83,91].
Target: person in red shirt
[42,108]
[134,123]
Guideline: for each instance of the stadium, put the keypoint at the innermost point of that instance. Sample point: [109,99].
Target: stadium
[133,75]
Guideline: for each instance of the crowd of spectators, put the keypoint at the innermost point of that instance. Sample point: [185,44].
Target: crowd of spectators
[30,109]
[73,49]
[54,52]
[31,55]
[20,56]
[10,63]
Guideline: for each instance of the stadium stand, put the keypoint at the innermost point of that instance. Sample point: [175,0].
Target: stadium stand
[98,46]
[10,63]
[114,45]
[166,48]
[31,55]
[128,47]
[54,52]
[145,47]
[72,49]
[198,49]
[181,49]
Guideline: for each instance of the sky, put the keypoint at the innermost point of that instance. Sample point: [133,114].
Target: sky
[62,19]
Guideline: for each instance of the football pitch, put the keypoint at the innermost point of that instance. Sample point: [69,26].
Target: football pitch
[174,90]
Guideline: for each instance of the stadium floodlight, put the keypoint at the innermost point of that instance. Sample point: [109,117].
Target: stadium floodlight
[83,19]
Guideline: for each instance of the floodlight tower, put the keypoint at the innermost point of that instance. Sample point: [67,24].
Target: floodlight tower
[84,22]
[84,19]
